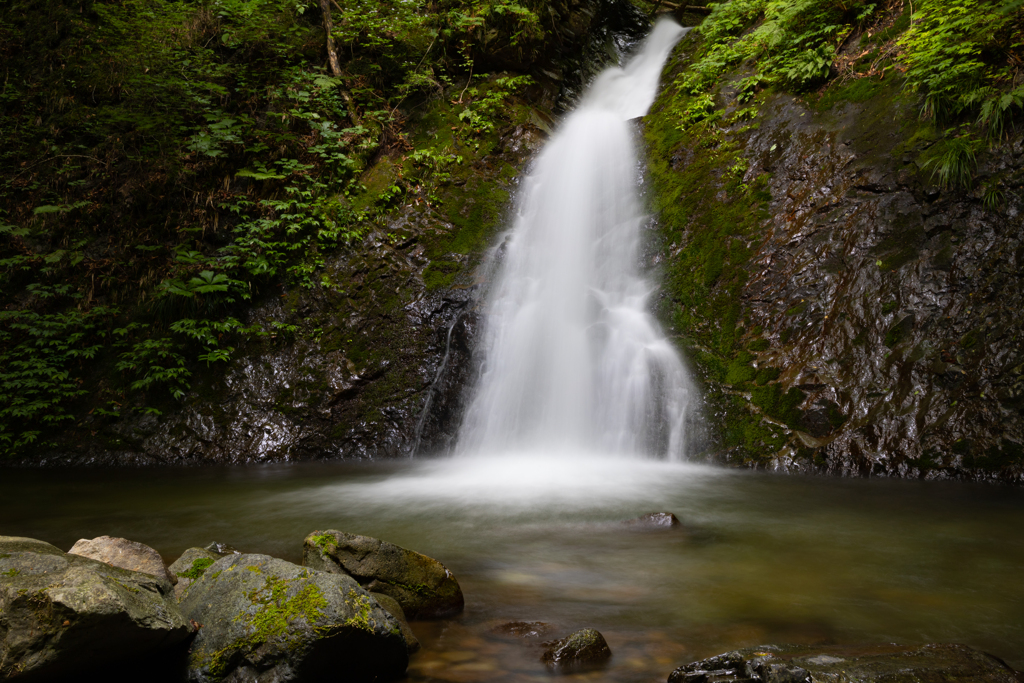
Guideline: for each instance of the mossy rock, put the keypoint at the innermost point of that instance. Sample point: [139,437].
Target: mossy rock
[62,615]
[422,586]
[265,616]
[192,564]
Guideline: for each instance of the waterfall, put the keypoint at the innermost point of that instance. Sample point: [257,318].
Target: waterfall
[572,359]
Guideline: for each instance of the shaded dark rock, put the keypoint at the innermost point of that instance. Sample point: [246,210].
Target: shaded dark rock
[120,552]
[264,619]
[583,650]
[654,520]
[422,586]
[391,606]
[63,614]
[866,664]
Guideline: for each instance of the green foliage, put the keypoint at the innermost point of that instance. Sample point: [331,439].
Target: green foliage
[794,43]
[42,366]
[953,161]
[958,53]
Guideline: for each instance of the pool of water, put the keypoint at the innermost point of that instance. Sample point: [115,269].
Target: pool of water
[759,558]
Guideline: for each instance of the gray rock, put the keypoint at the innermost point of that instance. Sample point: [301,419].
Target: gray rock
[61,614]
[120,552]
[263,619]
[865,664]
[654,520]
[189,567]
[422,586]
[584,649]
[391,606]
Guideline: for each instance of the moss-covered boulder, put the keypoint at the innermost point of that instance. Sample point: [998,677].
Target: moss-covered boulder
[585,649]
[262,618]
[422,586]
[61,614]
[866,664]
[192,564]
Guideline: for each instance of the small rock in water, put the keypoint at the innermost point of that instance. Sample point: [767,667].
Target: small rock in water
[120,552]
[522,629]
[221,549]
[422,586]
[654,520]
[582,650]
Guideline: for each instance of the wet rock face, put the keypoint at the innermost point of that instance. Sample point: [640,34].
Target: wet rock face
[423,587]
[875,314]
[868,664]
[266,619]
[63,614]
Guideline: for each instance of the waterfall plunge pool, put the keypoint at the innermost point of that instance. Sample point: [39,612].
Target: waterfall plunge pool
[760,558]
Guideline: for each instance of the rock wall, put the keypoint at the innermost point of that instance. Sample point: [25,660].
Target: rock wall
[846,314]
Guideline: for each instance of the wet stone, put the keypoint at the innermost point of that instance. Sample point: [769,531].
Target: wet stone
[584,649]
[865,664]
[522,629]
[654,520]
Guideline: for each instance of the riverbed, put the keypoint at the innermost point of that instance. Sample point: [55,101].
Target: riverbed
[759,558]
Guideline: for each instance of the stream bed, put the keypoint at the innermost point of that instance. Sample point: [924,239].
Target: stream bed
[760,558]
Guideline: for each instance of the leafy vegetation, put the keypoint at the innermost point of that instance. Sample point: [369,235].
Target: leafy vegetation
[168,163]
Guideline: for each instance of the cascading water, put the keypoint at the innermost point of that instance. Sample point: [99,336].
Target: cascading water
[572,359]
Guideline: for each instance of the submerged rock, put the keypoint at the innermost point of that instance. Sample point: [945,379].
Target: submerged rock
[62,614]
[865,664]
[654,520]
[582,650]
[120,552]
[522,629]
[422,586]
[265,619]
[189,567]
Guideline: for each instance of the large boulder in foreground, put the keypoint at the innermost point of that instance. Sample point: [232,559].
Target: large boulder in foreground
[61,614]
[120,552]
[866,664]
[264,619]
[422,586]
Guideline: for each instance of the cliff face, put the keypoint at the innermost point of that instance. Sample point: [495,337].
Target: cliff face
[846,314]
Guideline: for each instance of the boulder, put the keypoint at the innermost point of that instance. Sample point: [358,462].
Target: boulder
[584,649]
[654,520]
[120,552]
[189,567]
[422,586]
[391,606]
[62,614]
[264,619]
[865,664]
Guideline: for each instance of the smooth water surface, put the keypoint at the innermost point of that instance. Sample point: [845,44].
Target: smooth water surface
[761,558]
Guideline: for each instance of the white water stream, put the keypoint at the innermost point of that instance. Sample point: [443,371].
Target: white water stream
[573,360]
